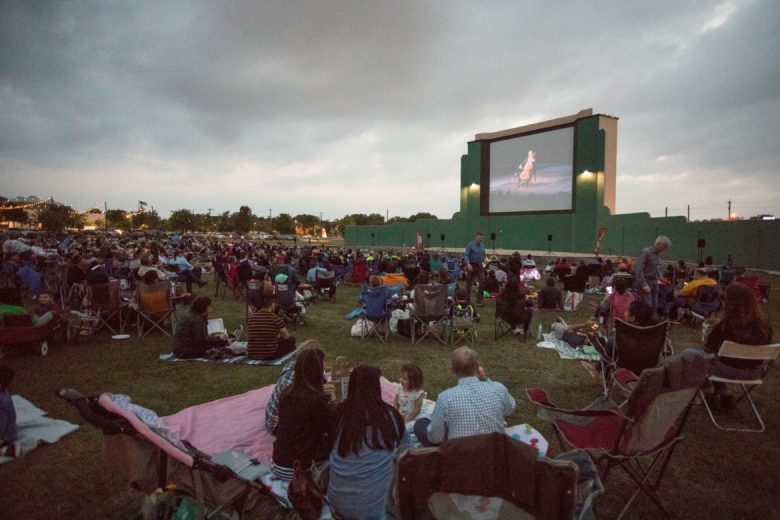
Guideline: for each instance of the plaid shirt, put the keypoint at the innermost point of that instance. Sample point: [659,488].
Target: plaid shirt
[272,410]
[473,407]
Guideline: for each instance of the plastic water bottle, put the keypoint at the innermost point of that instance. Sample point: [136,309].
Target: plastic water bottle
[539,332]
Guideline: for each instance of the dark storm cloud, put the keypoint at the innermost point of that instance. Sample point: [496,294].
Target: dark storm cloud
[328,104]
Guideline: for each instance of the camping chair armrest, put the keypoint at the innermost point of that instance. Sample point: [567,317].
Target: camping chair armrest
[623,377]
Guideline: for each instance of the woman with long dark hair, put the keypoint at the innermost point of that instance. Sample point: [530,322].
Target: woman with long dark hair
[742,322]
[305,417]
[367,431]
[511,307]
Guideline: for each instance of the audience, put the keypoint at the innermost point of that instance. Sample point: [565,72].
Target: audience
[305,417]
[475,406]
[742,322]
[550,297]
[367,433]
[267,334]
[410,395]
[511,307]
[191,338]
[285,380]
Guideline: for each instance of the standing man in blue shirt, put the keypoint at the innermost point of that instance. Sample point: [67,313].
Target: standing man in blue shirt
[646,271]
[475,256]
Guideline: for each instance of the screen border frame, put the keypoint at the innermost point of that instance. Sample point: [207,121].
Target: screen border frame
[484,173]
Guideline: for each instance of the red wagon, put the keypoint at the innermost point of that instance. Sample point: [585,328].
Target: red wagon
[18,331]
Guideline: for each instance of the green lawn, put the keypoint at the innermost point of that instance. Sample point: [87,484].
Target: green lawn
[713,474]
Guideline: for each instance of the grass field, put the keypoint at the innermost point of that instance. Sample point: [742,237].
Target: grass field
[713,474]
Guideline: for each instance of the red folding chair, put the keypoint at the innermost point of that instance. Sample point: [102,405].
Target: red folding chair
[648,425]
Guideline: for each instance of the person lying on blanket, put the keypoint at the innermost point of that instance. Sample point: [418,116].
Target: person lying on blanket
[192,339]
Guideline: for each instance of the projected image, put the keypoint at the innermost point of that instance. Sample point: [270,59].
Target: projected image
[532,172]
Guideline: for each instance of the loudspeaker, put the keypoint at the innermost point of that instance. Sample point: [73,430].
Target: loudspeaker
[442,237]
[372,235]
[428,235]
[492,236]
[549,238]
[700,243]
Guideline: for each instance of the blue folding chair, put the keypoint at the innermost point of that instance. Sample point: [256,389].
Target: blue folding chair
[376,311]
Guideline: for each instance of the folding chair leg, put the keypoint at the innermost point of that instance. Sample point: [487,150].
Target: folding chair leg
[756,414]
[640,486]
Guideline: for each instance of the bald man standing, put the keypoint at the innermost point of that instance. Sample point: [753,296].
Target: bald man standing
[476,405]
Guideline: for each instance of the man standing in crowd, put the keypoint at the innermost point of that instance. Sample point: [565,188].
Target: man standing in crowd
[476,405]
[646,271]
[475,256]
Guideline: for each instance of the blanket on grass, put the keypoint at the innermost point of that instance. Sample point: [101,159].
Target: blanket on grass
[238,360]
[34,428]
[241,420]
[566,351]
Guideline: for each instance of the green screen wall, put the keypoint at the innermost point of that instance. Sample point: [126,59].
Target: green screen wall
[751,243]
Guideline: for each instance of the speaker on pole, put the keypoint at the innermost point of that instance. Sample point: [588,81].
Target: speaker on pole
[701,243]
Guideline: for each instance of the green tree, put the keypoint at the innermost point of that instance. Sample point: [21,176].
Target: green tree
[146,220]
[57,217]
[117,218]
[422,214]
[243,220]
[284,223]
[307,221]
[181,220]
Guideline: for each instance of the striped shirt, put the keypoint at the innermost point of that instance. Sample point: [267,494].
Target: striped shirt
[473,407]
[263,330]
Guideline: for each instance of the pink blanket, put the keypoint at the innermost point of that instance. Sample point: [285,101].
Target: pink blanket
[236,422]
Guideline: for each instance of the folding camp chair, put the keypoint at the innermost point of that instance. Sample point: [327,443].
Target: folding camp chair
[220,278]
[375,313]
[286,305]
[707,301]
[155,309]
[730,350]
[634,348]
[463,329]
[501,327]
[325,284]
[648,425]
[106,304]
[431,311]
[504,475]
[254,297]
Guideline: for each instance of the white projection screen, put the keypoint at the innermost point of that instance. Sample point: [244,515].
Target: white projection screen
[532,173]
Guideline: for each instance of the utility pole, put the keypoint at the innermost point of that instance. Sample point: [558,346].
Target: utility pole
[666,211]
[729,217]
[689,212]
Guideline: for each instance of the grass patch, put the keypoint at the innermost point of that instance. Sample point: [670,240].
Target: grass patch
[713,474]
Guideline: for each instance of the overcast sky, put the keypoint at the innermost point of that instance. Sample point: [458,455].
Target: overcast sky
[361,106]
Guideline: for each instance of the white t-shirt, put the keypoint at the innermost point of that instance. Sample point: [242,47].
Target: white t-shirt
[407,400]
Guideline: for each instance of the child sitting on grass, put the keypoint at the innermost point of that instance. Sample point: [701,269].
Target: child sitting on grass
[410,396]
[8,430]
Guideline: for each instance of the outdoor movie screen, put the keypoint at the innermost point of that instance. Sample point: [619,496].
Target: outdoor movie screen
[532,173]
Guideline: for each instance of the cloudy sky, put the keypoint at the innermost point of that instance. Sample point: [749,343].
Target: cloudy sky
[361,106]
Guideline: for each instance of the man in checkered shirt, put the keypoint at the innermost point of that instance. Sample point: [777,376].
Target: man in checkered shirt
[476,405]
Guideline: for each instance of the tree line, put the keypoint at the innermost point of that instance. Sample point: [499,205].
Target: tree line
[57,217]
